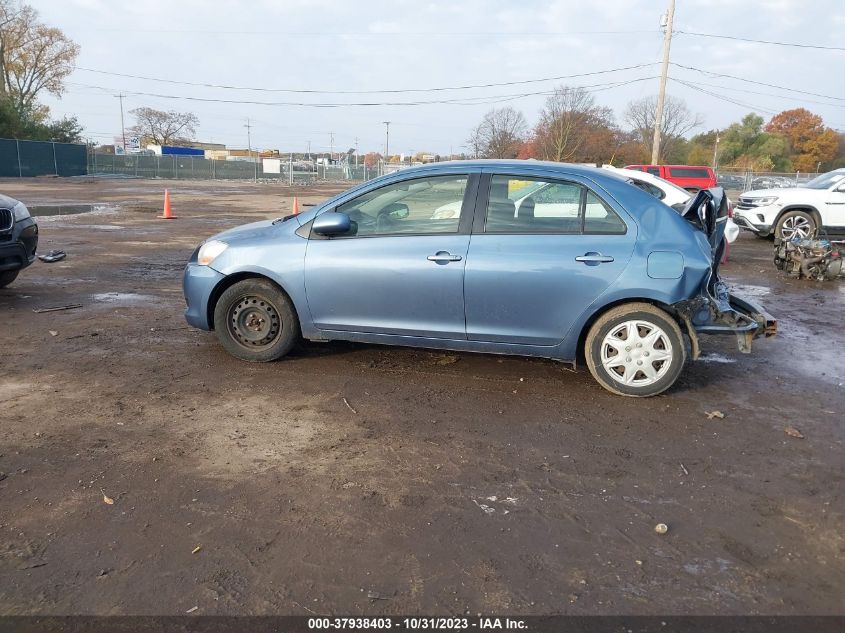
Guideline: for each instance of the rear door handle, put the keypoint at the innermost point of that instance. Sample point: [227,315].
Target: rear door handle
[444,257]
[591,259]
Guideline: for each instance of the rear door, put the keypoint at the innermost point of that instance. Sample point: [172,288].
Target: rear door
[542,250]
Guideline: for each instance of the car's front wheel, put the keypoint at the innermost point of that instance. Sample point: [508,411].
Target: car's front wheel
[256,321]
[635,350]
[794,224]
[7,277]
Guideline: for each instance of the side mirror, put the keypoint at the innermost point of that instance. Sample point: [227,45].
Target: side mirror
[331,223]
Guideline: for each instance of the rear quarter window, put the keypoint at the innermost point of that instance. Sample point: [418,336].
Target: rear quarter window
[689,172]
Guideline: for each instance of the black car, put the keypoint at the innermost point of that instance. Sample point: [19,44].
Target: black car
[18,239]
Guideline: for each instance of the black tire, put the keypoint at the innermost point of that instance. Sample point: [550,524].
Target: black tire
[255,321]
[7,277]
[793,222]
[648,320]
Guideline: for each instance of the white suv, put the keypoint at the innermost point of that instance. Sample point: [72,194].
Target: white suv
[795,212]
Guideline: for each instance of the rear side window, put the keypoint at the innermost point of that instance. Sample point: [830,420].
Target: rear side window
[648,188]
[654,171]
[600,218]
[688,172]
[527,205]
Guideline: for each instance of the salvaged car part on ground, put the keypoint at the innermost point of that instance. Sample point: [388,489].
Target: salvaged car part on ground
[820,260]
[506,257]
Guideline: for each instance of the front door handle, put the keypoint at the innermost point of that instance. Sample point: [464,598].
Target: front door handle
[444,257]
[592,258]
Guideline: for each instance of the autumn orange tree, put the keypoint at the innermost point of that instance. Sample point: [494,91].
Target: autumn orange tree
[810,140]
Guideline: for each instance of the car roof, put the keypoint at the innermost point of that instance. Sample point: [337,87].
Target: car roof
[548,167]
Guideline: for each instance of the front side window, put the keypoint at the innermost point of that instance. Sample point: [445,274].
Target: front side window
[528,205]
[413,207]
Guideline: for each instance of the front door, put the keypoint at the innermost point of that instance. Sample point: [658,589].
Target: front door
[401,270]
[834,214]
[542,253]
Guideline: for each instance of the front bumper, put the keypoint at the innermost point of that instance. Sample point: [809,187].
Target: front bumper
[17,250]
[756,219]
[198,284]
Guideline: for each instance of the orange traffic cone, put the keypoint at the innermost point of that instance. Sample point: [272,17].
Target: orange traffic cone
[168,212]
[295,210]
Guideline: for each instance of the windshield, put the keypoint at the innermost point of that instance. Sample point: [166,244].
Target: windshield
[825,181]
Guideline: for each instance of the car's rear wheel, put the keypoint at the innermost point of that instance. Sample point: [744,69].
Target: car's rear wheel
[635,350]
[7,277]
[794,224]
[256,321]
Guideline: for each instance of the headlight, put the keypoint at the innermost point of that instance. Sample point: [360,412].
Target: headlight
[20,212]
[209,252]
[761,202]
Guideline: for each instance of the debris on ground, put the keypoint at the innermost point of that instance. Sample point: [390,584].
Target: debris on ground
[196,549]
[449,359]
[684,468]
[53,332]
[819,260]
[71,306]
[661,528]
[52,256]
[715,414]
[192,609]
[349,406]
[107,499]
[791,431]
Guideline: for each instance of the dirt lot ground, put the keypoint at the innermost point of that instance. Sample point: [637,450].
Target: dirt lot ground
[463,483]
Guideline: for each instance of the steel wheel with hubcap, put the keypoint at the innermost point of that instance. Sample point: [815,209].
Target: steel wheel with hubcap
[794,224]
[635,349]
[255,321]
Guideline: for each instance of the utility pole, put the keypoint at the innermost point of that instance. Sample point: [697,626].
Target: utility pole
[331,147]
[122,126]
[356,151]
[309,150]
[716,153]
[386,140]
[664,72]
[248,127]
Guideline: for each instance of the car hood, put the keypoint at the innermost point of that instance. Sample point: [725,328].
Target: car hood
[7,202]
[245,231]
[785,192]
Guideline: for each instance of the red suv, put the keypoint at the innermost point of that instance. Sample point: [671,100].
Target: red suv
[692,178]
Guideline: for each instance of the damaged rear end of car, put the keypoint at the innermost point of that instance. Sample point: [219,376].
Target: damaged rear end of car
[714,309]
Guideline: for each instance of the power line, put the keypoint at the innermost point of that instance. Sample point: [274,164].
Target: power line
[772,42]
[722,97]
[759,83]
[489,99]
[385,91]
[769,94]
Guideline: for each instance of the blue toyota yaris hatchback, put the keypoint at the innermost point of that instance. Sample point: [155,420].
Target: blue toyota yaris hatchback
[506,257]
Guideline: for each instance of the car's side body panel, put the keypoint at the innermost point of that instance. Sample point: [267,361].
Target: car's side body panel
[509,293]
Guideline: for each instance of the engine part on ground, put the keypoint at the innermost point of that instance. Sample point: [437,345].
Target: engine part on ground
[820,260]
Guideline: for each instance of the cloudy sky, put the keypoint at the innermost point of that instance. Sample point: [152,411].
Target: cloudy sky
[368,45]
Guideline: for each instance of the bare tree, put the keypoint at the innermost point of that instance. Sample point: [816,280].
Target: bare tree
[678,120]
[33,56]
[499,135]
[568,122]
[164,128]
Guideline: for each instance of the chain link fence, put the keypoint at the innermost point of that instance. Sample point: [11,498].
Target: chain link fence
[19,159]
[198,168]
[750,180]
